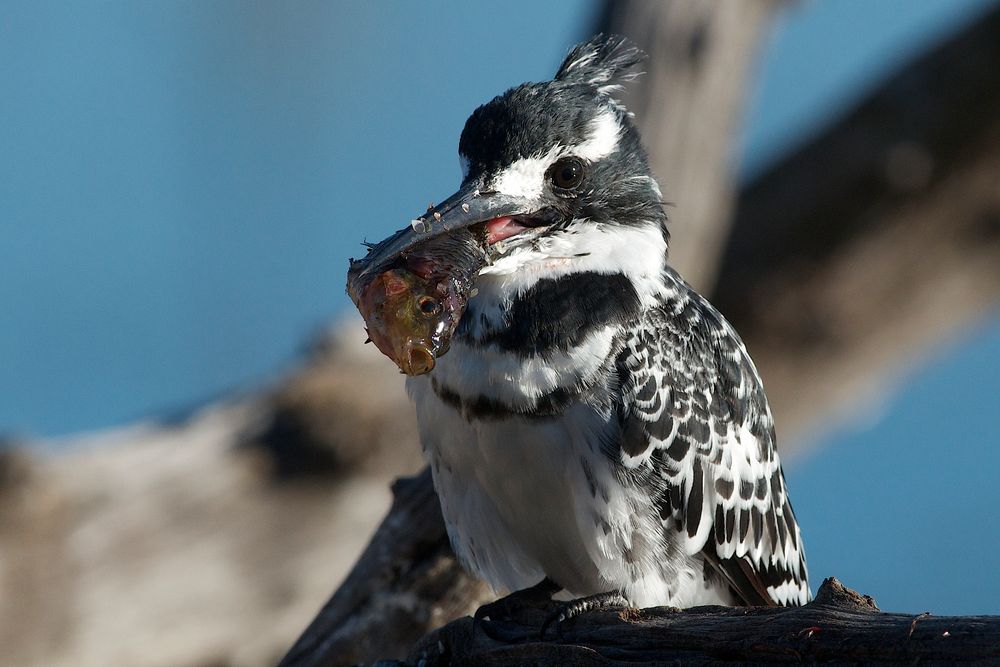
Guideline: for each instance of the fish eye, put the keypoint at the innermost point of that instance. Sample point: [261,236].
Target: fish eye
[567,173]
[428,306]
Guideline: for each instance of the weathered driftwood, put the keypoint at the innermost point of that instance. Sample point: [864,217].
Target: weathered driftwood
[839,626]
[406,582]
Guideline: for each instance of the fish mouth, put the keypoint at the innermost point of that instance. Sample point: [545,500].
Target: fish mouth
[416,358]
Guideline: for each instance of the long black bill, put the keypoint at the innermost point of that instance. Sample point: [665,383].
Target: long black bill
[469,206]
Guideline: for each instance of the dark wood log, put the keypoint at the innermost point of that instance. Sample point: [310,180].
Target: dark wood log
[839,626]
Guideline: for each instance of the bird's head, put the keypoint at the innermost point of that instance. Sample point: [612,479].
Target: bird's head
[544,162]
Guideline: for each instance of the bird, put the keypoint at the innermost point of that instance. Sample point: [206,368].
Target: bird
[597,427]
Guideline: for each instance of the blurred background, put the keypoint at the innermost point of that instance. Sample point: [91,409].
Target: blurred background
[196,446]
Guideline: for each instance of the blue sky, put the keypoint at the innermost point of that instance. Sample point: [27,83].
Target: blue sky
[824,56]
[902,506]
[181,184]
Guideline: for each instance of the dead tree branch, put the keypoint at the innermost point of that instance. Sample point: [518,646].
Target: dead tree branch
[838,626]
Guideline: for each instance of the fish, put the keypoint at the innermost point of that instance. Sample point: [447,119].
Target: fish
[413,303]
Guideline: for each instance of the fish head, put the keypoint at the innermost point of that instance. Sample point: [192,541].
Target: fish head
[410,318]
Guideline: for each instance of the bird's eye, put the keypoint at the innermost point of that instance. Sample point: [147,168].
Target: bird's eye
[567,173]
[428,306]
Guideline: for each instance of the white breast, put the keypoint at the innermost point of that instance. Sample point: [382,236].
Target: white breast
[512,493]
[526,500]
[523,497]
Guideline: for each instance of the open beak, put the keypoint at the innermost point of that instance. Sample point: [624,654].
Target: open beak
[469,206]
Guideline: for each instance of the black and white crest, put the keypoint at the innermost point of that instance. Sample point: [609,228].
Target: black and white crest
[510,144]
[603,62]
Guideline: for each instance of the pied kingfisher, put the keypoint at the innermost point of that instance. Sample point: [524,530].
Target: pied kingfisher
[597,425]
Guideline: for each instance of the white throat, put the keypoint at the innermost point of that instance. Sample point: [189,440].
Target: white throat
[639,252]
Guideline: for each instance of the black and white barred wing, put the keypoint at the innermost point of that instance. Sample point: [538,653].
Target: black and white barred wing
[696,428]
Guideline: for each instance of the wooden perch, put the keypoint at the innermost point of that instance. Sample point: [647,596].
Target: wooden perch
[407,583]
[838,626]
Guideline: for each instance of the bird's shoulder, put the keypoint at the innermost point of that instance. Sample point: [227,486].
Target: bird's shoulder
[696,430]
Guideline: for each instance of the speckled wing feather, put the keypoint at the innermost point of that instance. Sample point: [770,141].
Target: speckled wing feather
[695,426]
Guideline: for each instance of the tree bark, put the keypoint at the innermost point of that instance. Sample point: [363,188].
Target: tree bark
[838,626]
